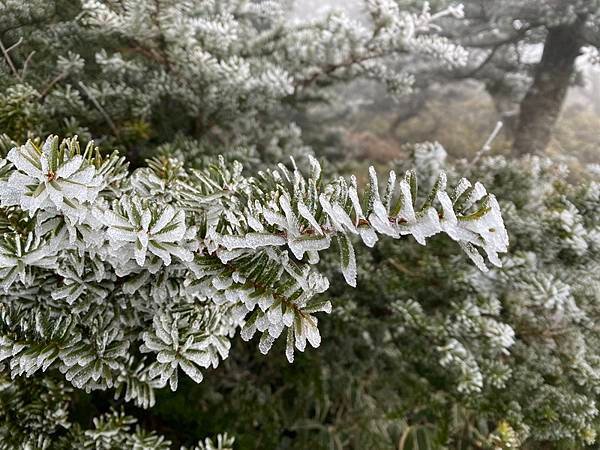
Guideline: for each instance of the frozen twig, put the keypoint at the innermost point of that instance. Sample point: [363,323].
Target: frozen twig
[487,146]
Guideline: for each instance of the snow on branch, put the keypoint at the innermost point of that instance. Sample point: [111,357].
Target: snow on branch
[174,261]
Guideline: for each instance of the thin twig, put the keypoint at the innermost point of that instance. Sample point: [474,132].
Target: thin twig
[100,108]
[330,68]
[9,60]
[487,146]
[55,80]
[26,63]
[15,45]
[480,67]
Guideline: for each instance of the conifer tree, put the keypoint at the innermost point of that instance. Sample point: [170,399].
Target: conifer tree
[132,274]
[123,276]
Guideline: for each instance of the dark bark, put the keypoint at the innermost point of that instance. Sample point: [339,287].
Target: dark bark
[541,105]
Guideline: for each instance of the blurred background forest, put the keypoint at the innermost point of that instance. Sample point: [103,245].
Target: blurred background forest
[460,109]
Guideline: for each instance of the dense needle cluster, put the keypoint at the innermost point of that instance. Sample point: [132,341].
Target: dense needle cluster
[108,264]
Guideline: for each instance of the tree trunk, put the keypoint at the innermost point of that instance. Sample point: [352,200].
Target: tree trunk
[541,105]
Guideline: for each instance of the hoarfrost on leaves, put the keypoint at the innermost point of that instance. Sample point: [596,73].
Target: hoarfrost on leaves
[124,267]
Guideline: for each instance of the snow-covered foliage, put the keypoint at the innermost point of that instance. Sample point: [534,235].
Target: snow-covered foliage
[229,75]
[34,414]
[112,278]
[131,279]
[517,345]
[432,352]
[98,265]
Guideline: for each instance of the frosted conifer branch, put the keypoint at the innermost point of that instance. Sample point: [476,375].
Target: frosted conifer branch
[182,259]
